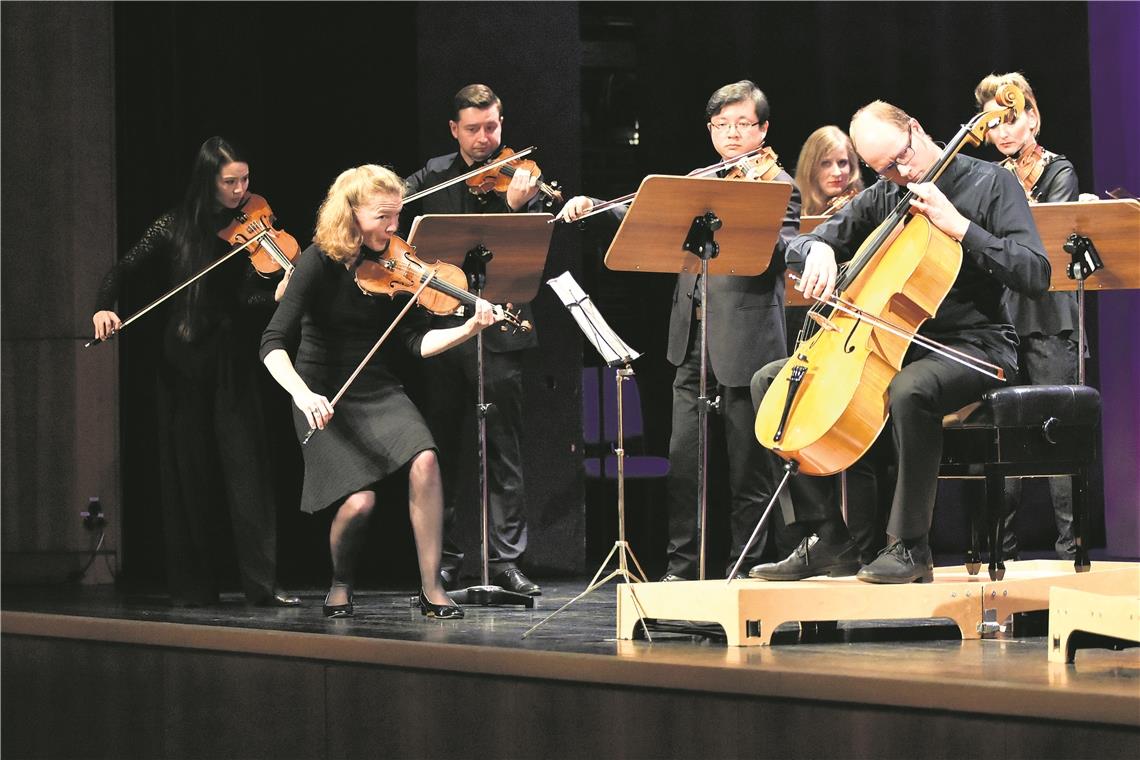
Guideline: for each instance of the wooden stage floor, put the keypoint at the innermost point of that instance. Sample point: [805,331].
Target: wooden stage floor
[920,664]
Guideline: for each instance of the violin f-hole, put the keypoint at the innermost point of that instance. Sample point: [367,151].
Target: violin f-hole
[847,347]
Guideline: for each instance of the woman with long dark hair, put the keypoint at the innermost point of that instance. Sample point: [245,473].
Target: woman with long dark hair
[209,423]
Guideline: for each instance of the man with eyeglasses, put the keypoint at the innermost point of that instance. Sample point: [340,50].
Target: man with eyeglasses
[745,331]
[450,376]
[982,207]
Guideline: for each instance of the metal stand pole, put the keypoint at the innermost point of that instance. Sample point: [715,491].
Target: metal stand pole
[484,594]
[621,546]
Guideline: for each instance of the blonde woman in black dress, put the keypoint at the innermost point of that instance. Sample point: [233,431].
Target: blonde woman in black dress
[376,430]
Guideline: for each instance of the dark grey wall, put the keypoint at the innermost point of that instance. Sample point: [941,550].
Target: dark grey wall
[60,402]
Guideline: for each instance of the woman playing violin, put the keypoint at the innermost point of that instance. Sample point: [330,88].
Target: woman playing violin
[1047,325]
[210,423]
[827,170]
[376,430]
[983,207]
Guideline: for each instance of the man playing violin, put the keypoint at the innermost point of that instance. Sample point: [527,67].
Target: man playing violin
[984,208]
[745,330]
[450,377]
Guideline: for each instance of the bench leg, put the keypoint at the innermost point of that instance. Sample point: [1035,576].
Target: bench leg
[996,508]
[1081,562]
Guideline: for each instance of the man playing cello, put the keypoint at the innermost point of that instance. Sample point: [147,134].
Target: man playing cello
[984,209]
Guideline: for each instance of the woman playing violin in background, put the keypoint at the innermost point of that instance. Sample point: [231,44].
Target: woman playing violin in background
[1046,325]
[376,431]
[827,172]
[210,421]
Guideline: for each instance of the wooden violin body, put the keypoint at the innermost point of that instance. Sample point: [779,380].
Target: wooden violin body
[763,167]
[1028,168]
[274,249]
[398,270]
[498,179]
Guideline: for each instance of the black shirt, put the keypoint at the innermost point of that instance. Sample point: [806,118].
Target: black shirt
[1001,249]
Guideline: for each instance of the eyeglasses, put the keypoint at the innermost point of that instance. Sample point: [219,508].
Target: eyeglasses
[902,159]
[741,126]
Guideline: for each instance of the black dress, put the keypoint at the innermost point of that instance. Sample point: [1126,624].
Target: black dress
[209,421]
[376,429]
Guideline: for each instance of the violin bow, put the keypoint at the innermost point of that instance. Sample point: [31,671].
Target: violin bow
[360,367]
[472,173]
[703,171]
[141,312]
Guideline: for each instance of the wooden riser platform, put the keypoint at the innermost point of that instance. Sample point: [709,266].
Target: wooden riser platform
[750,610]
[1074,612]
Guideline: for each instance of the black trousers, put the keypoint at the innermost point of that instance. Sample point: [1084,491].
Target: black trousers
[749,488]
[928,387]
[212,449]
[452,393]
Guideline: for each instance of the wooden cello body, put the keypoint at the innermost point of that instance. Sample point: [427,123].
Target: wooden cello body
[830,400]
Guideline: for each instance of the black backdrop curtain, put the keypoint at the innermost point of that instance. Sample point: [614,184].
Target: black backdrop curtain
[313,88]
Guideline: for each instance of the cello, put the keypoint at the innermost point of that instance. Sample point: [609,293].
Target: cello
[829,402]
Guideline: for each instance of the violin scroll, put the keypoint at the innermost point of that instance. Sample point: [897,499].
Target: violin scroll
[1011,101]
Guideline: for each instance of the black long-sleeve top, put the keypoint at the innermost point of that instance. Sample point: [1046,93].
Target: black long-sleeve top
[334,325]
[1001,249]
[228,296]
[1055,312]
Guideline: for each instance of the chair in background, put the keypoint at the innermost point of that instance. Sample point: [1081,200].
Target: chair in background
[599,428]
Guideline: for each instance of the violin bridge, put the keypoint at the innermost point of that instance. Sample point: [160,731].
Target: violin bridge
[823,322]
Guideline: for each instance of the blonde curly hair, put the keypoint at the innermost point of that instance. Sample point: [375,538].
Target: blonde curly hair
[337,233]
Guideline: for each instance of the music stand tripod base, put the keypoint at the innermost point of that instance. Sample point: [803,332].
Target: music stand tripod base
[490,596]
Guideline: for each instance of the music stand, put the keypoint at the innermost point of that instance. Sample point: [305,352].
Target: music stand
[520,243]
[618,356]
[672,226]
[1068,229]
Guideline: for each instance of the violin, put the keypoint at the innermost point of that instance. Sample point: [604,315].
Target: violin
[498,178]
[1028,168]
[398,270]
[840,201]
[763,167]
[270,249]
[829,402]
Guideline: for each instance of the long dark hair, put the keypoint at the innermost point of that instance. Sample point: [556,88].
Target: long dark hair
[196,226]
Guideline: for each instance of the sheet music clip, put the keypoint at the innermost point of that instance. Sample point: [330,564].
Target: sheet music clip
[1085,258]
[612,349]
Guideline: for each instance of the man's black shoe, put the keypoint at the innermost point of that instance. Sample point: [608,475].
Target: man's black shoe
[898,564]
[812,557]
[512,579]
[449,579]
[671,577]
[280,598]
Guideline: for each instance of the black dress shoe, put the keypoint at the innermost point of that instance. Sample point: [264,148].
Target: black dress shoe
[441,611]
[280,598]
[338,610]
[449,579]
[512,579]
[671,578]
[898,564]
[811,558]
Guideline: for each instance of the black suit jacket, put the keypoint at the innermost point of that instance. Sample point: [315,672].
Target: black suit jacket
[745,314]
[457,199]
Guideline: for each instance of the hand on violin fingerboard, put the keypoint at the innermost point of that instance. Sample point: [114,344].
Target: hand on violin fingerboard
[523,187]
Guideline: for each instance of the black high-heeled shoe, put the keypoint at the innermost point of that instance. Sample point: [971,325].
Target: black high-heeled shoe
[441,611]
[338,610]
